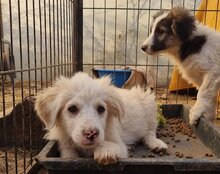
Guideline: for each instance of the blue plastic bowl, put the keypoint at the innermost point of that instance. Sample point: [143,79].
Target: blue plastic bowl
[119,77]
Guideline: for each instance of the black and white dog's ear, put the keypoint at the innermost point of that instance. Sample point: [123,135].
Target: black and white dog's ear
[183,23]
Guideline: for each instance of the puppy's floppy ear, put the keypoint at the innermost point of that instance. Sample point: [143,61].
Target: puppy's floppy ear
[183,23]
[112,98]
[48,105]
[115,106]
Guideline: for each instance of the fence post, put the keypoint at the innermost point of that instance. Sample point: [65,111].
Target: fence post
[78,35]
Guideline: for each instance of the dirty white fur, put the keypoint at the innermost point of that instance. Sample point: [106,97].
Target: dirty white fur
[129,116]
[201,69]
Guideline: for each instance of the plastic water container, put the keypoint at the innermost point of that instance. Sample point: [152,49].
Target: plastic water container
[119,77]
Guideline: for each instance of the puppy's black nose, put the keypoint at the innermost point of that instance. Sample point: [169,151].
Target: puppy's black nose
[144,47]
[91,134]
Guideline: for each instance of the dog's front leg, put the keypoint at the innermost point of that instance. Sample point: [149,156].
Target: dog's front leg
[112,148]
[153,142]
[109,152]
[206,99]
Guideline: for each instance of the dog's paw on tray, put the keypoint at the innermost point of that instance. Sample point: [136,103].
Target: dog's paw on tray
[105,155]
[158,146]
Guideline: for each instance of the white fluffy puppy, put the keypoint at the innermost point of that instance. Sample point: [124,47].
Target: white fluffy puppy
[91,117]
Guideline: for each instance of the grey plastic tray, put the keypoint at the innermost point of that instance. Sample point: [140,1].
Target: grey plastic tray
[207,141]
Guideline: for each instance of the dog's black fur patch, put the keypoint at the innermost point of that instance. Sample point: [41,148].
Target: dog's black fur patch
[192,46]
[158,45]
[166,24]
[184,28]
[183,23]
[161,44]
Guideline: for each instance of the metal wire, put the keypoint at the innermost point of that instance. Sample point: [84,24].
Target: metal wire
[152,9]
[39,36]
[13,96]
[45,41]
[127,9]
[50,43]
[40,45]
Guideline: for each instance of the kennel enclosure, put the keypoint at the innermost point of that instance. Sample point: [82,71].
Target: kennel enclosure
[43,39]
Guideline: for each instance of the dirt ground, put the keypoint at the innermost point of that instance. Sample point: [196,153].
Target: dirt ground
[28,90]
[21,161]
[164,97]
[7,93]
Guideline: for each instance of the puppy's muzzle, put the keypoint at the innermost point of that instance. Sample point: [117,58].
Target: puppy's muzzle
[91,134]
[144,47]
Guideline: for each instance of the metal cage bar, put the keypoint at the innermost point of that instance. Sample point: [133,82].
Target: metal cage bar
[43,39]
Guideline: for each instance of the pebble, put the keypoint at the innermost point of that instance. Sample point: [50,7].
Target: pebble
[181,155]
[161,154]
[151,155]
[167,153]
[164,134]
[164,97]
[208,155]
[177,153]
[131,156]
[132,149]
[174,127]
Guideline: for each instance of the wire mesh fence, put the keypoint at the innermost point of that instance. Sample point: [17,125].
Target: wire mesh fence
[43,39]
[38,43]
[113,32]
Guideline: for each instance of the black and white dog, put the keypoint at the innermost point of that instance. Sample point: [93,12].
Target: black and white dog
[195,49]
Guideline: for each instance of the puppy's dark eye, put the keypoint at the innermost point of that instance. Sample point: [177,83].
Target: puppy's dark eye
[160,31]
[100,109]
[73,109]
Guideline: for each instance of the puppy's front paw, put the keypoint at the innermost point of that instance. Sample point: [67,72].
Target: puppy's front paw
[194,116]
[158,145]
[107,155]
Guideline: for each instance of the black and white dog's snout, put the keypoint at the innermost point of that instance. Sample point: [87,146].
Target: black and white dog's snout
[144,47]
